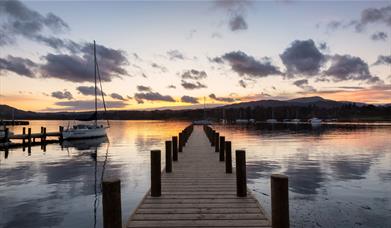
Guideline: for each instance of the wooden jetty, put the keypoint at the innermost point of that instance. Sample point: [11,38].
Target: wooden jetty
[27,138]
[14,122]
[198,189]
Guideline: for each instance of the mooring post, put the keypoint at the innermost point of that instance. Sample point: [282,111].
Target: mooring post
[241,179]
[61,129]
[175,148]
[111,194]
[212,138]
[6,134]
[168,157]
[180,144]
[222,148]
[228,157]
[280,201]
[29,136]
[24,135]
[6,153]
[156,188]
[44,134]
[217,146]
[41,134]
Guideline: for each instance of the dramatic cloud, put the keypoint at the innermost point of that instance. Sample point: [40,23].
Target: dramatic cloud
[18,20]
[383,59]
[142,88]
[223,99]
[89,90]
[368,16]
[238,23]
[89,104]
[80,68]
[175,54]
[236,11]
[242,83]
[194,74]
[379,36]
[244,64]
[191,86]
[374,15]
[303,84]
[62,95]
[302,58]
[157,66]
[152,96]
[171,87]
[20,66]
[188,99]
[346,67]
[117,96]
[323,46]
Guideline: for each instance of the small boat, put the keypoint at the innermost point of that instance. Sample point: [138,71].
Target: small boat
[2,132]
[204,121]
[241,121]
[315,121]
[84,131]
[295,121]
[271,121]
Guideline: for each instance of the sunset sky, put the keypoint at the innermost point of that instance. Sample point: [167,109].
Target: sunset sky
[175,53]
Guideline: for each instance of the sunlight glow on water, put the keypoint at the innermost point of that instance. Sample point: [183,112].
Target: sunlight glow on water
[338,176]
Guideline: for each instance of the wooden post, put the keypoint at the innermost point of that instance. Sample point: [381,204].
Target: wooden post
[241,179]
[222,148]
[44,134]
[111,200]
[217,146]
[29,136]
[24,134]
[175,148]
[168,157]
[41,134]
[228,157]
[212,138]
[156,188]
[6,134]
[6,153]
[180,144]
[280,201]
[61,129]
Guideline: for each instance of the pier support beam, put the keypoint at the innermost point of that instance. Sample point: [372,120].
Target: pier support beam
[280,201]
[241,179]
[217,145]
[222,148]
[175,148]
[111,194]
[168,157]
[156,185]
[228,157]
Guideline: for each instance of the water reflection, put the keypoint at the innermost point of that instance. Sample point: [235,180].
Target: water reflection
[333,171]
[334,168]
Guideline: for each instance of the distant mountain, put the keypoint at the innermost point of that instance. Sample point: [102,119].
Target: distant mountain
[7,112]
[176,113]
[303,101]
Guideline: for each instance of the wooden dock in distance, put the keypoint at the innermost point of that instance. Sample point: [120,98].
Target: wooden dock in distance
[199,193]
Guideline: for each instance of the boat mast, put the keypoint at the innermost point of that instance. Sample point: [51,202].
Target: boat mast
[204,110]
[96,89]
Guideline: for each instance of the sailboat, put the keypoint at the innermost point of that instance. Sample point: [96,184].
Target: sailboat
[272,120]
[204,121]
[83,131]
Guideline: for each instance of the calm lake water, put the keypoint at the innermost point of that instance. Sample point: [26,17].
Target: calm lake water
[339,176]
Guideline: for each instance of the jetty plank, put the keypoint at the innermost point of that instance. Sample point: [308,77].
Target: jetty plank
[198,193]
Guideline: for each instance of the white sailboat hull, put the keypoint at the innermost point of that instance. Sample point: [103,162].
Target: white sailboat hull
[84,133]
